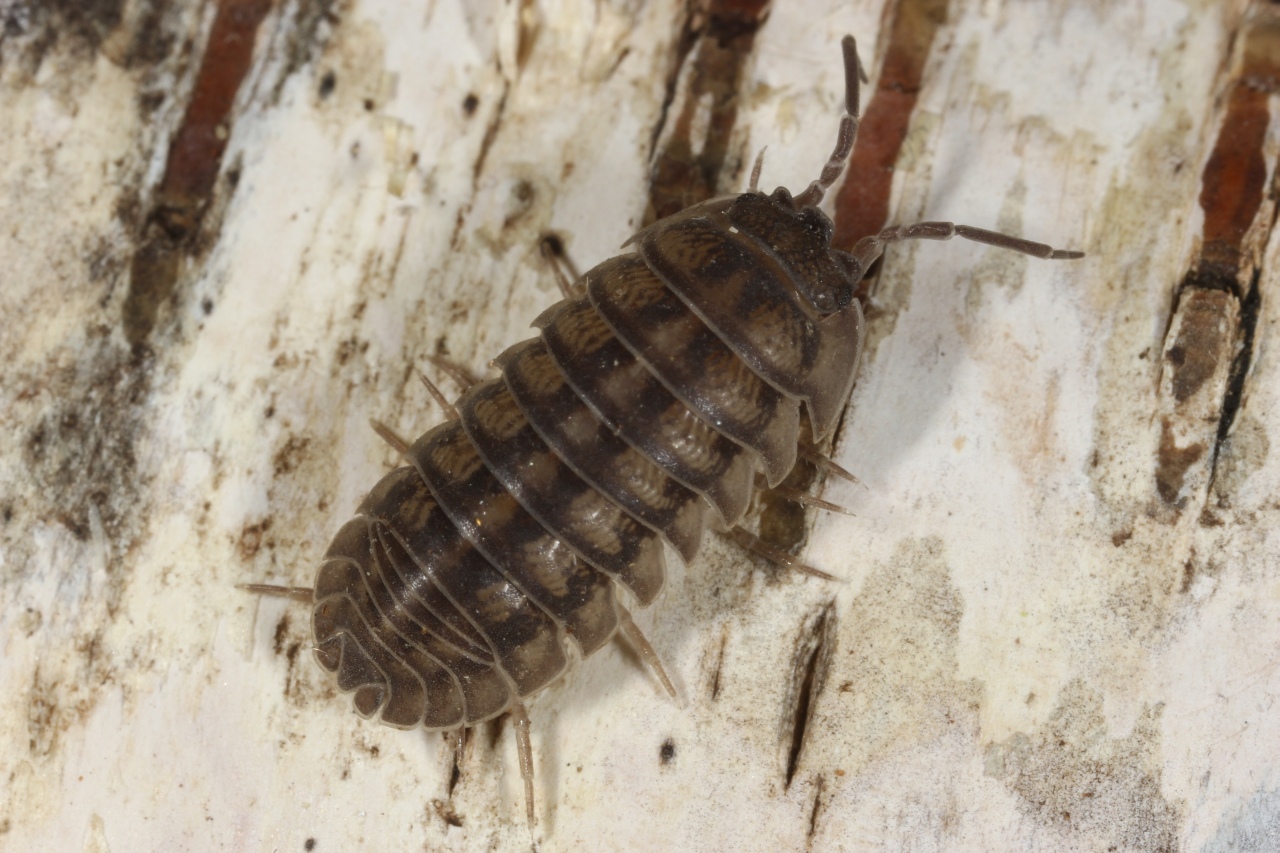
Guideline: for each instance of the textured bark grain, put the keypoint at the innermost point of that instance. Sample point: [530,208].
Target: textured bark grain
[1056,625]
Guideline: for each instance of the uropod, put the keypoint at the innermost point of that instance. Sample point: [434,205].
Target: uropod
[655,392]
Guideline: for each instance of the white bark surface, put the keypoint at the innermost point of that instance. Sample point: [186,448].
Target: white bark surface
[1028,648]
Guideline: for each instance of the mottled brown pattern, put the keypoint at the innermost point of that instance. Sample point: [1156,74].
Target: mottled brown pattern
[655,393]
[592,526]
[634,403]
[664,383]
[744,289]
[576,596]
[694,363]
[642,405]
[606,462]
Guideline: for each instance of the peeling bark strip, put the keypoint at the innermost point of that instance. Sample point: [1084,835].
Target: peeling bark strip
[1197,361]
[1209,344]
[687,170]
[862,204]
[195,158]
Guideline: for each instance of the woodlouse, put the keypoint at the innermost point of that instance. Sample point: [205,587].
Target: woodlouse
[654,393]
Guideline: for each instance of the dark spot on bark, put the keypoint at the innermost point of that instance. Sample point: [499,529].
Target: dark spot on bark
[446,813]
[1188,575]
[309,844]
[282,633]
[251,538]
[305,37]
[667,752]
[40,25]
[288,457]
[350,348]
[327,84]
[80,453]
[470,103]
[1120,537]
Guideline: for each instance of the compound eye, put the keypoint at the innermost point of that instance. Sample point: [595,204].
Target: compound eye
[782,196]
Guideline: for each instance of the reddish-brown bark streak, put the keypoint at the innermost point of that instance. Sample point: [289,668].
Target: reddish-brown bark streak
[195,155]
[862,204]
[193,163]
[1234,177]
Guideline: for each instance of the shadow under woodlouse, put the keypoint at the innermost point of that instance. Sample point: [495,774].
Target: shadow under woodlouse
[656,392]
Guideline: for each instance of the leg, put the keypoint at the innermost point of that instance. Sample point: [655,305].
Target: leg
[870,248]
[631,631]
[450,411]
[459,736]
[524,749]
[553,253]
[304,594]
[459,744]
[754,186]
[459,374]
[826,465]
[387,434]
[809,500]
[754,544]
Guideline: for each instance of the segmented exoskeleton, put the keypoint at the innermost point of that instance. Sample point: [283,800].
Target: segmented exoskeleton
[640,414]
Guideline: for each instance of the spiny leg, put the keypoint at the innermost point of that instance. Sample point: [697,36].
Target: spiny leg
[459,737]
[553,253]
[397,442]
[756,545]
[449,409]
[631,631]
[524,749]
[807,499]
[304,594]
[459,744]
[848,133]
[387,434]
[754,186]
[459,374]
[829,467]
[869,249]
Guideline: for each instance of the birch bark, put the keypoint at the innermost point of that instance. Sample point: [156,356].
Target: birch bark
[1058,620]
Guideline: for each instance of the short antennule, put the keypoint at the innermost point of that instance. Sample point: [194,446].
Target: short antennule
[848,134]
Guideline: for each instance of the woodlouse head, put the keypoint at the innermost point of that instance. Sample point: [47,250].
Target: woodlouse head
[800,237]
